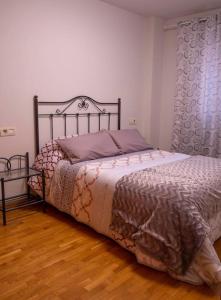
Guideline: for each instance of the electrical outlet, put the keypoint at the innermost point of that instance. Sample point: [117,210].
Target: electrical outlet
[132,122]
[7,131]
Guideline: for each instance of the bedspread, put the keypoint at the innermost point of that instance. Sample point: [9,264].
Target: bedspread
[165,210]
[86,191]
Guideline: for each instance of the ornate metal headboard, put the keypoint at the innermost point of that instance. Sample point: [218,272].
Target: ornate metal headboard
[74,109]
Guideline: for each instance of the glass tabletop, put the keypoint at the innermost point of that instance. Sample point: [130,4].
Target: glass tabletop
[18,174]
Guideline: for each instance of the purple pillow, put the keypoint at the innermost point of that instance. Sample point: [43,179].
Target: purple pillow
[129,140]
[89,146]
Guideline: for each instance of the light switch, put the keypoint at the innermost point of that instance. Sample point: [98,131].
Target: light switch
[7,131]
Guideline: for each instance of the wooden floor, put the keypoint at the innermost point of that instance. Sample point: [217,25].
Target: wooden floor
[51,256]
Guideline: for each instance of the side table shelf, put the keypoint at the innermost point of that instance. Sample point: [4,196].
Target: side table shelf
[16,168]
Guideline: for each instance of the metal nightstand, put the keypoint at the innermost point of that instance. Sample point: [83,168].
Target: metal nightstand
[15,168]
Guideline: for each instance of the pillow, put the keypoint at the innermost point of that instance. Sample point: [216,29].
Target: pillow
[49,146]
[89,146]
[48,161]
[129,140]
[50,152]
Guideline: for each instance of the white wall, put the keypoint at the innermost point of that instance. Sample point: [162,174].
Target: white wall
[167,89]
[58,49]
[153,79]
[155,100]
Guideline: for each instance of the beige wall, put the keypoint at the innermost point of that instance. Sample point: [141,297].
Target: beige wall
[58,49]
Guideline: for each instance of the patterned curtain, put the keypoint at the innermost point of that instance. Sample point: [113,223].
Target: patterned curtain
[197,118]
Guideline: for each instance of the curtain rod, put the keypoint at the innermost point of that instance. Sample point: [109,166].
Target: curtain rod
[184,23]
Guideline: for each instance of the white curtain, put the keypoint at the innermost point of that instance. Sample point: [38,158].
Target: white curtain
[197,112]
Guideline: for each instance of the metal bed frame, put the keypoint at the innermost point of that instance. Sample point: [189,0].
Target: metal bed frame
[84,104]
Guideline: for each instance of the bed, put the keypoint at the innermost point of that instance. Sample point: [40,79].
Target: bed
[163,207]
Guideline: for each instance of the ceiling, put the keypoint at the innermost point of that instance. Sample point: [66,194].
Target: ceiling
[166,8]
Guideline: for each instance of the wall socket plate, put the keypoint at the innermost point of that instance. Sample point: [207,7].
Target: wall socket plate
[7,131]
[132,122]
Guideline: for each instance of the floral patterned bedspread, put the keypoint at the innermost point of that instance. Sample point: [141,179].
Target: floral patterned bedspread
[86,191]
